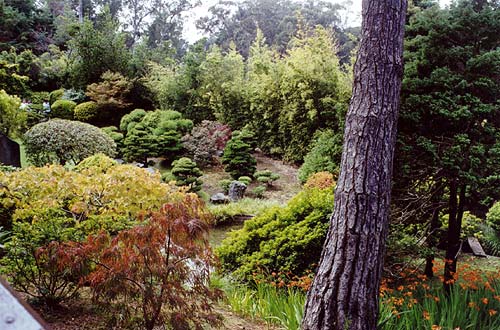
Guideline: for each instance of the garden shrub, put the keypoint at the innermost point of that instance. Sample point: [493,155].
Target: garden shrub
[259,191]
[153,134]
[86,111]
[493,216]
[62,109]
[12,118]
[97,163]
[206,141]
[224,184]
[158,272]
[186,173]
[321,180]
[74,95]
[245,179]
[55,95]
[115,135]
[324,156]
[282,239]
[237,155]
[60,141]
[266,176]
[52,204]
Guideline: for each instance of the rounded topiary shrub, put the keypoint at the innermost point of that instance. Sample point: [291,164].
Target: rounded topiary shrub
[86,111]
[62,109]
[99,163]
[55,95]
[60,141]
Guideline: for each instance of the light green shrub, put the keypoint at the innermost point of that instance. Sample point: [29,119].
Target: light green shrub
[282,239]
[86,111]
[62,109]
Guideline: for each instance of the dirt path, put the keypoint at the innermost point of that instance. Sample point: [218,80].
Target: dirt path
[283,189]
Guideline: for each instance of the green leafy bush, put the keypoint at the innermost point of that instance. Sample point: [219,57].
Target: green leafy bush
[115,135]
[55,95]
[153,134]
[12,118]
[74,95]
[49,205]
[282,239]
[205,141]
[86,111]
[186,173]
[62,109]
[60,141]
[245,179]
[224,184]
[237,156]
[324,156]
[493,216]
[266,176]
[259,191]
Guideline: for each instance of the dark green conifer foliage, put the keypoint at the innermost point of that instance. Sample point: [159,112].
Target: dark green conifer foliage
[186,173]
[238,155]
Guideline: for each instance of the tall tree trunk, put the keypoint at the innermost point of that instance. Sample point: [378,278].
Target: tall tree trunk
[456,211]
[345,291]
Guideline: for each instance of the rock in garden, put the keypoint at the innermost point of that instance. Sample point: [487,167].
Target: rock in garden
[219,198]
[237,190]
[9,152]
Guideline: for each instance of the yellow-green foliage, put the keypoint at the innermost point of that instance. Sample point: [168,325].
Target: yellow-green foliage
[282,239]
[12,118]
[493,216]
[86,111]
[92,198]
[62,109]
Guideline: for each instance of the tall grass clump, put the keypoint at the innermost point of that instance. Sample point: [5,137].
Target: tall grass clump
[226,213]
[281,306]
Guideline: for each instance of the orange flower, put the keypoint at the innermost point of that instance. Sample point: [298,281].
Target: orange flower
[485,301]
[426,315]
[492,312]
[436,327]
[472,304]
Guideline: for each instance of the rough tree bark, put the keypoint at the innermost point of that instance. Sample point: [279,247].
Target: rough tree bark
[344,294]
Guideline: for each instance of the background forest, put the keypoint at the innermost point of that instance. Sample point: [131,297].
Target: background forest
[83,82]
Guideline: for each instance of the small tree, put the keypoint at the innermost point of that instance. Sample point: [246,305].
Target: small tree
[110,95]
[266,176]
[205,141]
[159,269]
[237,156]
[186,173]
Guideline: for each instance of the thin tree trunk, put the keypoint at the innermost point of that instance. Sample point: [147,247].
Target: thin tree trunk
[456,211]
[344,294]
[429,260]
